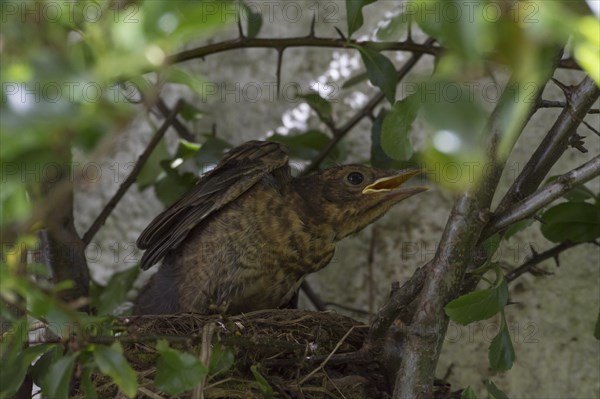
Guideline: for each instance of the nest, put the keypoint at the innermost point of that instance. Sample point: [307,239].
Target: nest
[292,348]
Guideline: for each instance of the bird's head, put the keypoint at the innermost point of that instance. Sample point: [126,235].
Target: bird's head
[350,197]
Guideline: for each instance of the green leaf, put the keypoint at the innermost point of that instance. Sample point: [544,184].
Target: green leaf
[13,373]
[42,365]
[255,21]
[186,149]
[221,359]
[179,76]
[172,186]
[571,221]
[191,112]
[263,384]
[468,394]
[395,131]
[86,384]
[177,372]
[354,14]
[491,245]
[321,106]
[58,378]
[478,305]
[516,227]
[379,158]
[381,71]
[111,362]
[501,352]
[597,328]
[106,299]
[306,145]
[393,28]
[211,152]
[495,391]
[152,169]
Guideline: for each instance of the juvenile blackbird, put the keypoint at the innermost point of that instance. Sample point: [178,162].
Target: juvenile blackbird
[247,233]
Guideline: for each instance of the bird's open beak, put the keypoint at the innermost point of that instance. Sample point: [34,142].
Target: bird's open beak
[392,184]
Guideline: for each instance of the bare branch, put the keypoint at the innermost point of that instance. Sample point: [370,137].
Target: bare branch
[179,126]
[99,221]
[580,100]
[530,205]
[538,258]
[283,43]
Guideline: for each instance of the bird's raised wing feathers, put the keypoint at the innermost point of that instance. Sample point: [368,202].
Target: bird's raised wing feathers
[242,168]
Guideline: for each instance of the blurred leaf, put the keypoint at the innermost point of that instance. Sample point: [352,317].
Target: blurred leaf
[393,28]
[262,383]
[255,21]
[306,145]
[179,76]
[13,372]
[172,186]
[491,245]
[587,46]
[515,228]
[379,158]
[396,128]
[111,362]
[321,106]
[86,384]
[501,352]
[495,391]
[190,112]
[211,152]
[42,365]
[58,378]
[571,221]
[176,371]
[152,169]
[221,359]
[14,201]
[106,299]
[186,149]
[354,15]
[468,394]
[354,80]
[381,71]
[478,305]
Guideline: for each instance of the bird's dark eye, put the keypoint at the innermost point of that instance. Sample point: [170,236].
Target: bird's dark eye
[355,178]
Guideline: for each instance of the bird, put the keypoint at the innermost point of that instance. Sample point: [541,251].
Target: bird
[247,233]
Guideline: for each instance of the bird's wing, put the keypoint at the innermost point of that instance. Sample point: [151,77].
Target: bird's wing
[242,168]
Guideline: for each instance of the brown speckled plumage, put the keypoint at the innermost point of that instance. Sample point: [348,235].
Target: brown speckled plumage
[244,237]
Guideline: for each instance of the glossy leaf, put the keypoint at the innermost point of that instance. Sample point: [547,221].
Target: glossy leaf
[354,15]
[478,305]
[176,371]
[110,361]
[396,128]
[501,353]
[381,72]
[571,221]
[57,381]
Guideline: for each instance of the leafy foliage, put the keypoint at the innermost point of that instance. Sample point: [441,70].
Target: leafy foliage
[177,371]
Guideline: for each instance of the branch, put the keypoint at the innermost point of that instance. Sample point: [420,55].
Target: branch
[538,258]
[307,41]
[339,133]
[95,226]
[456,248]
[579,99]
[529,206]
[179,126]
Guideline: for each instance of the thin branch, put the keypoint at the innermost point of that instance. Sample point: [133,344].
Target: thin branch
[562,104]
[99,222]
[306,41]
[368,109]
[543,197]
[179,126]
[579,100]
[538,258]
[313,297]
